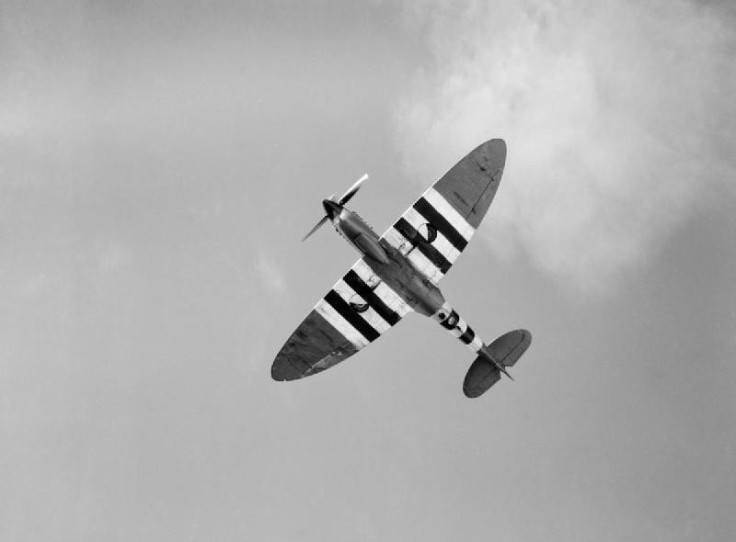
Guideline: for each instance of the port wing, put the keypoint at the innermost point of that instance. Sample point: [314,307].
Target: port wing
[357,310]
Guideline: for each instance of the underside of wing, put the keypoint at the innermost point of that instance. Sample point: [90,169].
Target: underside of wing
[358,309]
[315,346]
[436,229]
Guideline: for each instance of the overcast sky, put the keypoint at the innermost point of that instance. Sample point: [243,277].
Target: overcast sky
[159,164]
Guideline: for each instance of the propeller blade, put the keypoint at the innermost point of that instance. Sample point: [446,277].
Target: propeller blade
[352,190]
[316,227]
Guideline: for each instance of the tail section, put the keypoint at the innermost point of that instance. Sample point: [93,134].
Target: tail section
[449,319]
[486,369]
[492,359]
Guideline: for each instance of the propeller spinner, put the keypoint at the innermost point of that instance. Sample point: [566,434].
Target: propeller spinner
[331,206]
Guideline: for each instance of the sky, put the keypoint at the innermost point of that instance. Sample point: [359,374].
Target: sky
[160,163]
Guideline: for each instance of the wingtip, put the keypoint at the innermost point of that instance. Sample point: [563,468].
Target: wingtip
[283,371]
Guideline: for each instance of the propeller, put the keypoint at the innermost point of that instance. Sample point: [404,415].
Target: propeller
[330,203]
[317,226]
[346,197]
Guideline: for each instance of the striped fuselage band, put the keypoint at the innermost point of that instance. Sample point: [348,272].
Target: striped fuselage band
[468,336]
[452,322]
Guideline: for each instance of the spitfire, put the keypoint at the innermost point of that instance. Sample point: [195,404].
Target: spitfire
[398,273]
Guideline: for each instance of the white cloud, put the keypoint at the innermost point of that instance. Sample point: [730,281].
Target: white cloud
[619,119]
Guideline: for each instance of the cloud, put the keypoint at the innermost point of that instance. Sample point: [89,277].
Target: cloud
[618,115]
[271,276]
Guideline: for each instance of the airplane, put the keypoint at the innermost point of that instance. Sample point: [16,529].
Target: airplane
[398,273]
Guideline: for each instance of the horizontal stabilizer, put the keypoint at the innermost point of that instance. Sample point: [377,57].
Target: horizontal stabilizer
[506,350]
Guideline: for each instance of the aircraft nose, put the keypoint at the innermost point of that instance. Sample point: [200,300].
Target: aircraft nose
[332,209]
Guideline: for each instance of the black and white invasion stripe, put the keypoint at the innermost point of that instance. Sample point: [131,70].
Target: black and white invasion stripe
[453,233]
[384,306]
[449,319]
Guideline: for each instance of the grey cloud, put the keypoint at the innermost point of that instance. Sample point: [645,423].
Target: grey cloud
[618,119]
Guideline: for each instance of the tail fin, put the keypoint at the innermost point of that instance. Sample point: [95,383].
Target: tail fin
[504,351]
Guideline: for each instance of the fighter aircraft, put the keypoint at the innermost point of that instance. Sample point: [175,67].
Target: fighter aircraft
[398,273]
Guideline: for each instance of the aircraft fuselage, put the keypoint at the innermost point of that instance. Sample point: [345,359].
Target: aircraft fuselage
[394,268]
[387,262]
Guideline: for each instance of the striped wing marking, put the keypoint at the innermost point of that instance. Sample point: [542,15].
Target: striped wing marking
[433,259]
[361,286]
[357,310]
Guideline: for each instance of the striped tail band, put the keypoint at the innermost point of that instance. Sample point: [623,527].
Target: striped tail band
[449,319]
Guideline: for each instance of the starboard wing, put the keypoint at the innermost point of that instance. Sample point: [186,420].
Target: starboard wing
[436,229]
[358,309]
